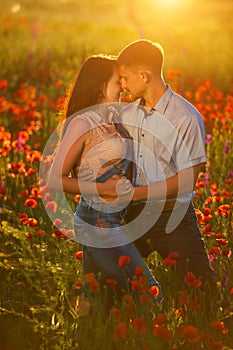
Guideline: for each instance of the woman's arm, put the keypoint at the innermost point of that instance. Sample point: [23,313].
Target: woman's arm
[67,155]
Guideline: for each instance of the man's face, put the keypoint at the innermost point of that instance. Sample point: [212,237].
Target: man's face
[131,79]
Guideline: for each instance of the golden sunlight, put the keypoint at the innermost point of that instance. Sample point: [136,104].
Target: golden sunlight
[169,1]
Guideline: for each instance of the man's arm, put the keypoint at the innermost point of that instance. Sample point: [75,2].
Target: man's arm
[181,183]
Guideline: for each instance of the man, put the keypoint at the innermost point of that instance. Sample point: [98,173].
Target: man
[169,146]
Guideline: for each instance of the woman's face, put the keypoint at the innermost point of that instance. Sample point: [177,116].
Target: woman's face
[113,88]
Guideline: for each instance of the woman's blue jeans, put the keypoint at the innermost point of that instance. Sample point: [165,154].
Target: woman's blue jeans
[103,262]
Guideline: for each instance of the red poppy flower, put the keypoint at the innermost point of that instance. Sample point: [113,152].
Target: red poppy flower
[51,206]
[124,260]
[31,202]
[3,84]
[40,233]
[121,330]
[57,222]
[145,299]
[23,193]
[78,255]
[77,198]
[139,325]
[30,222]
[222,241]
[138,271]
[192,281]
[162,333]
[188,332]
[161,319]
[111,282]
[214,251]
[154,290]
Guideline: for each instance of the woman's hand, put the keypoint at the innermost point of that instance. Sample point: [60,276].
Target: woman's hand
[116,188]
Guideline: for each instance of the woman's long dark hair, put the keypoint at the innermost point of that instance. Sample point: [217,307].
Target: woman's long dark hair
[87,89]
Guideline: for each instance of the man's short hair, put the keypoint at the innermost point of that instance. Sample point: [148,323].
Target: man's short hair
[142,52]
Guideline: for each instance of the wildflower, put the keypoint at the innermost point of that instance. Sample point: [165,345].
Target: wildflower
[139,285]
[60,233]
[154,290]
[226,252]
[222,241]
[23,193]
[139,325]
[58,83]
[34,156]
[77,198]
[123,260]
[69,233]
[40,233]
[57,222]
[227,147]
[145,299]
[35,192]
[30,202]
[30,172]
[3,84]
[207,230]
[171,259]
[138,271]
[92,282]
[223,211]
[199,215]
[161,319]
[78,255]
[208,139]
[162,333]
[214,251]
[30,222]
[111,282]
[51,206]
[219,326]
[189,332]
[192,281]
[121,330]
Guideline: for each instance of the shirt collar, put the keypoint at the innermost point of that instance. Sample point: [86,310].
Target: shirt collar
[162,104]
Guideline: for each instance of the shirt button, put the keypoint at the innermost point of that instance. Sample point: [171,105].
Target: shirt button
[143,135]
[140,156]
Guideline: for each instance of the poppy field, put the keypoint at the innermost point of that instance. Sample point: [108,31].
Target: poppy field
[41,277]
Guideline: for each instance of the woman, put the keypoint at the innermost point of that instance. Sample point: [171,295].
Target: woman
[93,149]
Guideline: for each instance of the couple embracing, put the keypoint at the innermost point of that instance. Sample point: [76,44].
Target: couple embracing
[135,166]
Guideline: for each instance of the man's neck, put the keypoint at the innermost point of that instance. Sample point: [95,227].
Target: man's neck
[154,94]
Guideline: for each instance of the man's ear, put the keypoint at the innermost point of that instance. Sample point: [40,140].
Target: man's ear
[146,76]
